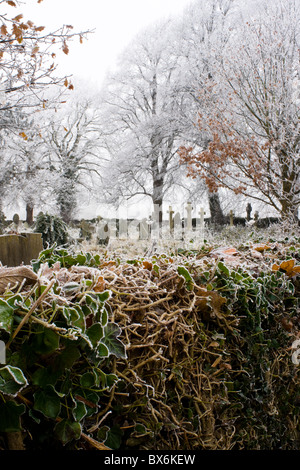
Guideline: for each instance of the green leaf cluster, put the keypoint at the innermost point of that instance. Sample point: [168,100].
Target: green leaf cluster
[58,368]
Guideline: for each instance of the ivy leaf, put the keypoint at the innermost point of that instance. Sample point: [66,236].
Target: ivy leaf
[47,401]
[183,272]
[102,350]
[10,414]
[114,437]
[110,339]
[223,268]
[87,380]
[79,411]
[95,334]
[12,380]
[67,430]
[6,316]
[74,317]
[45,342]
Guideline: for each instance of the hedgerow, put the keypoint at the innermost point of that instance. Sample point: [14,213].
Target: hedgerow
[185,350]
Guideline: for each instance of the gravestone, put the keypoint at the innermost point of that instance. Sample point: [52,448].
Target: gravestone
[144,229]
[86,230]
[177,226]
[201,225]
[171,221]
[16,221]
[103,232]
[189,226]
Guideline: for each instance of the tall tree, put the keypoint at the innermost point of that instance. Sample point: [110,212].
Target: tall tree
[29,178]
[253,126]
[141,111]
[28,72]
[202,34]
[72,154]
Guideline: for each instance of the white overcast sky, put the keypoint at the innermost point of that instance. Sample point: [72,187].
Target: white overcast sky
[115,22]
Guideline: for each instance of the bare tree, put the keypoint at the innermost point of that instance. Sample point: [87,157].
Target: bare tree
[72,154]
[253,125]
[28,60]
[141,119]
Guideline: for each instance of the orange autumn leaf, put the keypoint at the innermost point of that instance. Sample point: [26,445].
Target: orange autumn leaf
[225,252]
[65,48]
[100,286]
[147,265]
[3,30]
[22,134]
[11,3]
[17,31]
[66,83]
[287,266]
[230,251]
[261,248]
[40,28]
[18,17]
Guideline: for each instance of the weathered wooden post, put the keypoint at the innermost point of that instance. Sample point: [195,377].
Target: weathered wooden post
[20,248]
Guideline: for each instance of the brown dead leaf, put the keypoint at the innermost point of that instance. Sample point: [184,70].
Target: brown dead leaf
[147,265]
[224,252]
[225,366]
[214,344]
[3,30]
[65,48]
[210,302]
[216,362]
[18,18]
[14,277]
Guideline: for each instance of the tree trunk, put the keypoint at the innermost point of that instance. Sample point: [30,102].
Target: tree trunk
[216,212]
[157,198]
[29,213]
